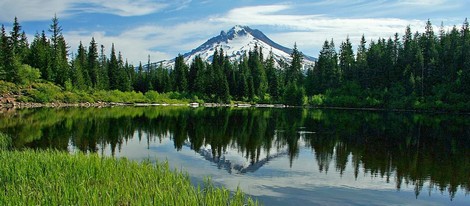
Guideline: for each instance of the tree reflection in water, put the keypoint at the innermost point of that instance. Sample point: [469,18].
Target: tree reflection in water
[408,148]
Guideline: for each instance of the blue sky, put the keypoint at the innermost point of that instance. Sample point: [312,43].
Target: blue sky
[162,29]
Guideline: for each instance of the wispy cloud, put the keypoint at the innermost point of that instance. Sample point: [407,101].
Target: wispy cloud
[310,31]
[423,2]
[164,35]
[118,7]
[32,10]
[37,10]
[270,15]
[160,42]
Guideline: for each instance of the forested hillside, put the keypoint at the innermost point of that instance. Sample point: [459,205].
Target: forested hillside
[429,70]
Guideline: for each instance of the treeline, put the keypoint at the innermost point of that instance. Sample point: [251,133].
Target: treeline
[46,58]
[416,71]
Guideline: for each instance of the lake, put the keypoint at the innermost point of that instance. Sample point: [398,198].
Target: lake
[279,156]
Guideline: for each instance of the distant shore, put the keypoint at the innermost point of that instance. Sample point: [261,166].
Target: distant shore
[25,105]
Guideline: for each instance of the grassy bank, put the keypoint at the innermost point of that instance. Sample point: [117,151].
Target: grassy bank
[57,178]
[46,92]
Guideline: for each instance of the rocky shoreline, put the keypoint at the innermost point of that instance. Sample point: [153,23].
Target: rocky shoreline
[21,105]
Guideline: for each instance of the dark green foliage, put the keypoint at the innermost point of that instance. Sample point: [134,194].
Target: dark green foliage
[180,74]
[421,71]
[59,65]
[79,76]
[272,75]
[196,76]
[346,61]
[257,72]
[113,70]
[325,74]
[92,74]
[416,71]
[294,95]
[7,58]
[139,83]
[293,72]
[39,57]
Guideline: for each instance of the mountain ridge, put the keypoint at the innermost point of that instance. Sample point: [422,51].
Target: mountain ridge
[237,42]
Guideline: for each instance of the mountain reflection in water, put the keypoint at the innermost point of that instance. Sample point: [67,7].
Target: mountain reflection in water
[410,149]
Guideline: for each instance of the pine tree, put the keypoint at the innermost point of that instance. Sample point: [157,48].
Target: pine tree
[181,74]
[258,72]
[124,74]
[150,76]
[374,58]
[430,58]
[15,35]
[79,69]
[465,57]
[397,71]
[196,76]
[23,50]
[272,77]
[93,64]
[59,64]
[7,60]
[39,57]
[294,72]
[3,42]
[243,87]
[418,66]
[311,87]
[346,61]
[113,70]
[139,84]
[327,66]
[19,42]
[103,71]
[361,63]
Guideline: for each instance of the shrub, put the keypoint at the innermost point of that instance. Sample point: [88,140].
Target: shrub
[317,100]
[28,75]
[6,87]
[45,93]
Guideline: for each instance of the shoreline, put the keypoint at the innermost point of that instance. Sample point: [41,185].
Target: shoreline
[29,105]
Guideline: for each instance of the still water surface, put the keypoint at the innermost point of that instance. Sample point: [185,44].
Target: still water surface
[279,156]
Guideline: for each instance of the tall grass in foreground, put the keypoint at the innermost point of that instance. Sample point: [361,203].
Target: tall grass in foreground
[5,141]
[57,178]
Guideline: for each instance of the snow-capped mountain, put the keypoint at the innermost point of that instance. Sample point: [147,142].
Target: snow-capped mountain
[237,42]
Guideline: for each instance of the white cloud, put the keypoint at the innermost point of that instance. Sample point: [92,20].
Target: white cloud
[161,42]
[267,15]
[422,2]
[310,31]
[133,49]
[139,42]
[36,10]
[32,10]
[119,7]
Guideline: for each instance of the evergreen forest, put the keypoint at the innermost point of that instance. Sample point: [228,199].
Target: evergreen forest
[418,71]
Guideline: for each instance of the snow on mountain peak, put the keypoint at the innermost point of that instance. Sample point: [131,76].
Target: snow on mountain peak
[237,42]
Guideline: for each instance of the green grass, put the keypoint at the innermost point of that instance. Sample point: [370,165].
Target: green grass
[57,178]
[5,141]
